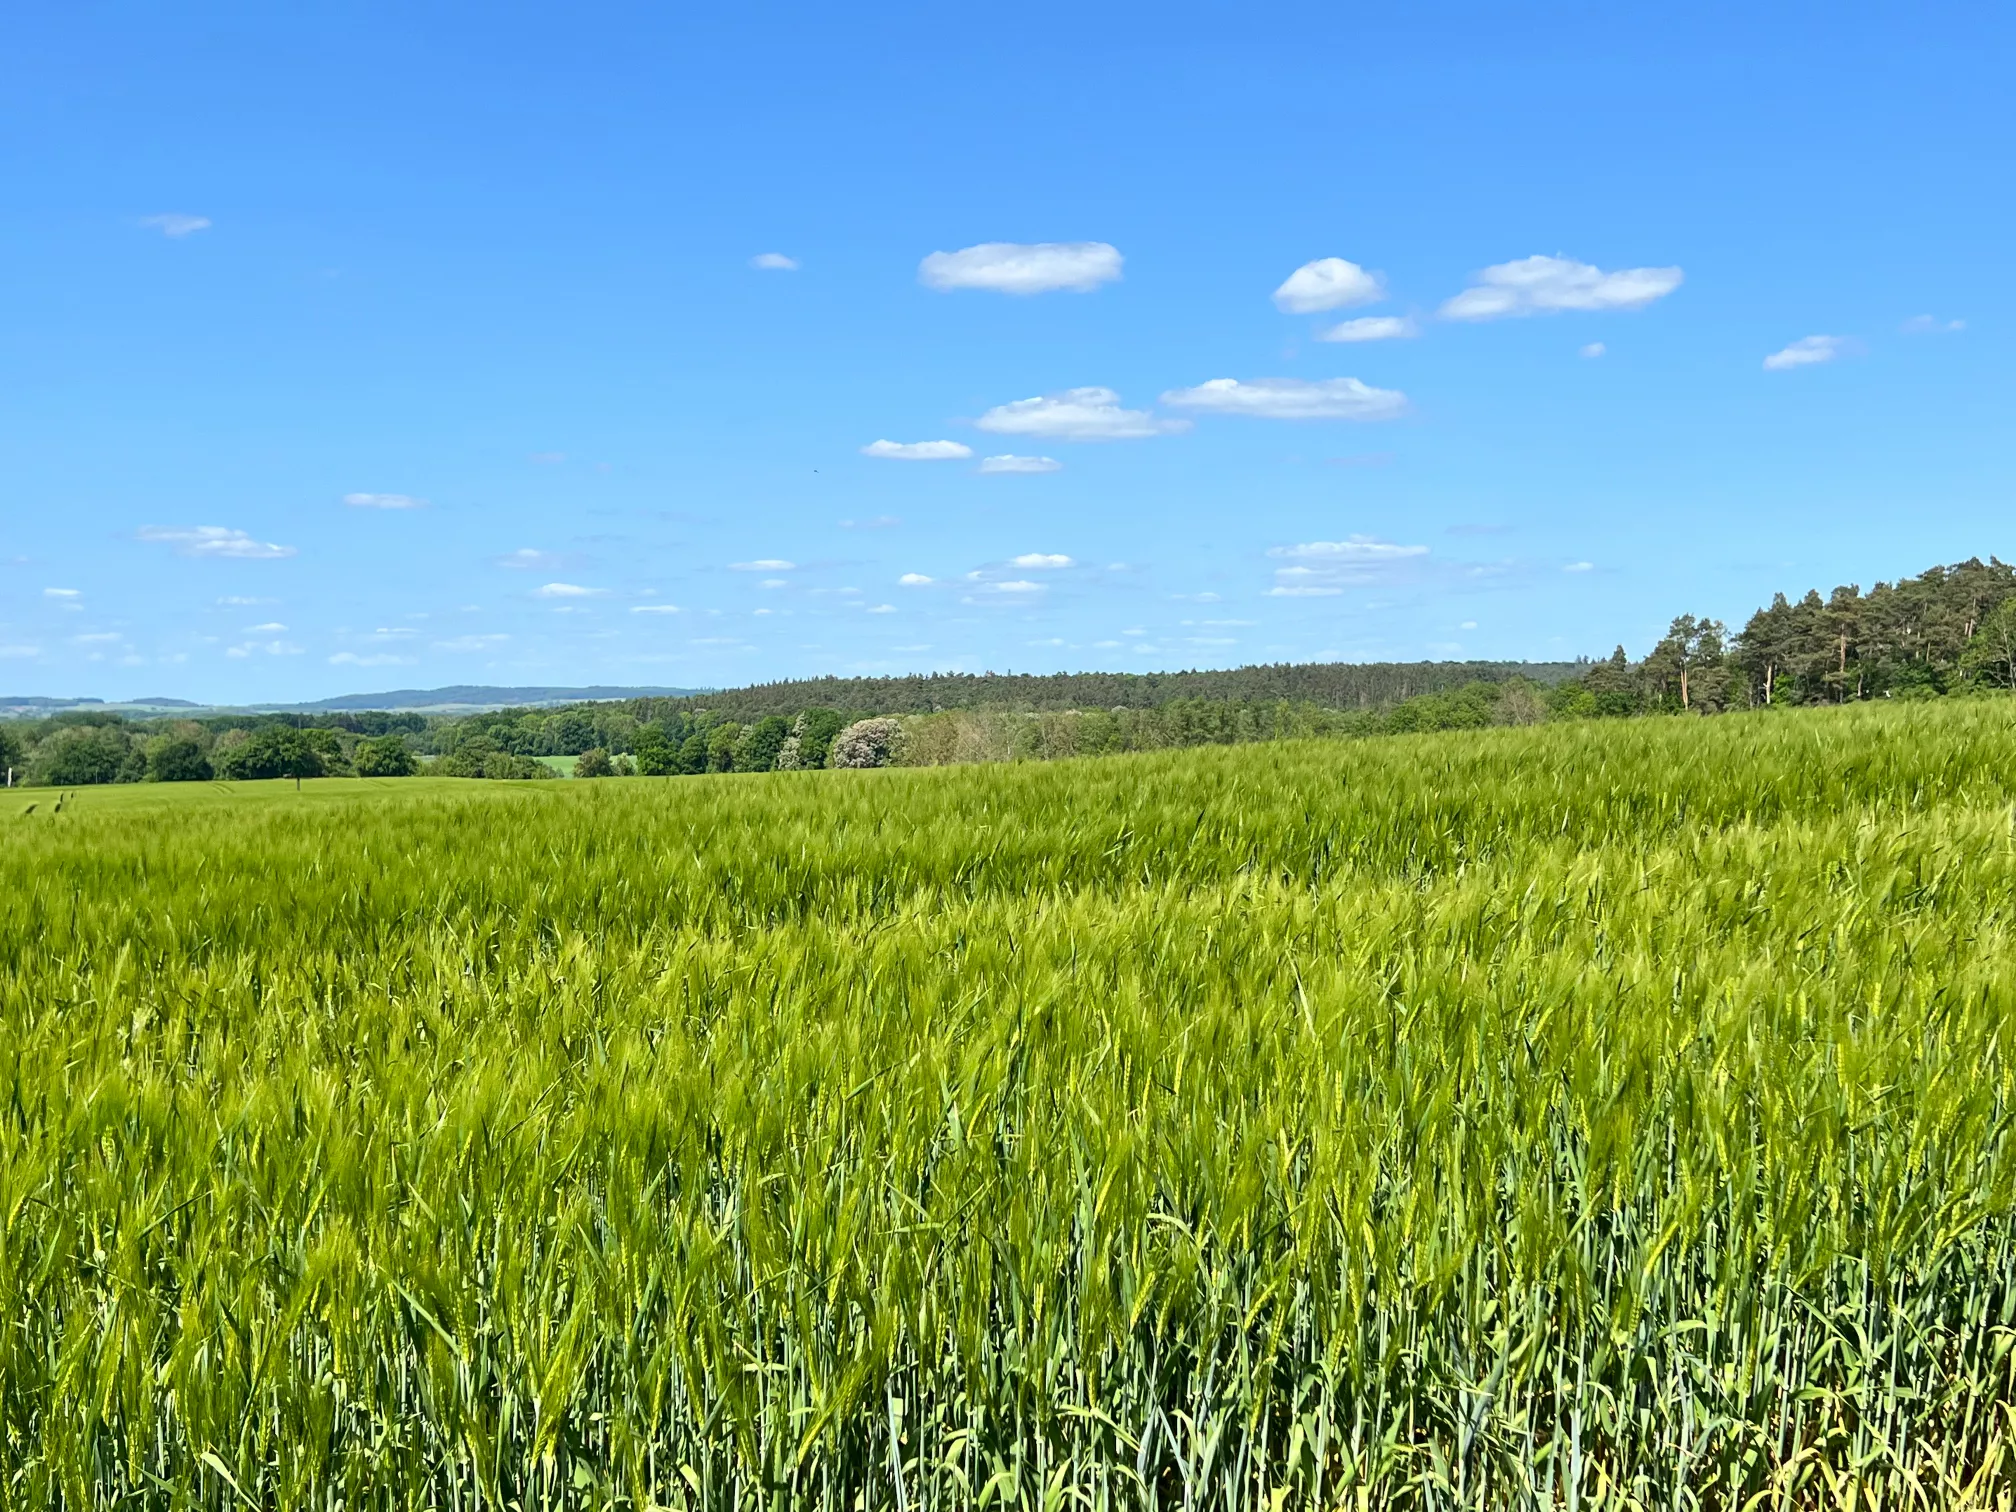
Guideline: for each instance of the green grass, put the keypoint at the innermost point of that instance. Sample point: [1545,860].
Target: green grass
[1589,1115]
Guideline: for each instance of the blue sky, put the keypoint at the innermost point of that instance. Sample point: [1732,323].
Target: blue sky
[497,263]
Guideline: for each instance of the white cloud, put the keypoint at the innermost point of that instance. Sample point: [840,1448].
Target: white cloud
[1324,569]
[19,653]
[1007,463]
[1079,414]
[1593,349]
[763,564]
[271,628]
[239,601]
[1017,585]
[529,559]
[104,637]
[918,451]
[1806,351]
[1023,268]
[269,648]
[1292,399]
[1371,328]
[881,608]
[1926,325]
[1041,559]
[214,541]
[176,225]
[567,591]
[774,583]
[916,580]
[62,593]
[376,659]
[1548,285]
[774,262]
[656,609]
[1329,283]
[383,501]
[1580,567]
[471,643]
[1357,548]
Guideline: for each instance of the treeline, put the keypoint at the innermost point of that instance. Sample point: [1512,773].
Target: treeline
[1948,631]
[1331,685]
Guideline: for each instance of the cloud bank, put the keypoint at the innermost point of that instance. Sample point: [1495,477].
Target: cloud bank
[214,541]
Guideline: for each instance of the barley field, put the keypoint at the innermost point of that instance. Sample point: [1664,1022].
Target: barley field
[1590,1115]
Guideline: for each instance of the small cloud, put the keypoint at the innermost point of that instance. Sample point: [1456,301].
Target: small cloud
[1550,285]
[918,451]
[1467,625]
[1593,349]
[1012,464]
[1292,399]
[463,643]
[774,583]
[1927,325]
[19,653]
[104,638]
[375,659]
[1302,590]
[1357,548]
[383,501]
[1080,414]
[1805,352]
[916,580]
[880,522]
[1329,283]
[272,628]
[62,593]
[656,609]
[1580,567]
[215,541]
[1023,268]
[882,609]
[176,225]
[1371,328]
[1017,585]
[764,564]
[267,648]
[547,459]
[775,262]
[530,559]
[567,591]
[1041,559]
[237,601]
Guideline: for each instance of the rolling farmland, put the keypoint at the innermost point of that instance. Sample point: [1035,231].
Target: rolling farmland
[1592,1114]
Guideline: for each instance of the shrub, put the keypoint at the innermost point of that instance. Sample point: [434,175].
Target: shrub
[384,756]
[177,758]
[593,762]
[867,743]
[275,751]
[86,755]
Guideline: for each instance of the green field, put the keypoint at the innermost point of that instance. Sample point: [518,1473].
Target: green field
[1596,1114]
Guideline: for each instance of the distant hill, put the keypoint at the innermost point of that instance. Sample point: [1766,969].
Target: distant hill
[464,697]
[1336,685]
